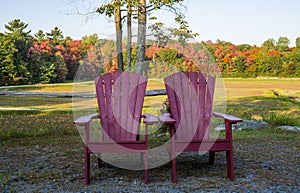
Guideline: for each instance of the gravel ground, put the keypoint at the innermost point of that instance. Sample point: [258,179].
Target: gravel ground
[260,166]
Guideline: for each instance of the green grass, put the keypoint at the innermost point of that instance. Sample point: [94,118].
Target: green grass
[70,87]
[38,125]
[41,88]
[27,117]
[278,119]
[254,107]
[245,87]
[266,135]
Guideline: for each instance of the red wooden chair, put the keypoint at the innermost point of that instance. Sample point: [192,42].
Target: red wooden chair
[191,99]
[120,100]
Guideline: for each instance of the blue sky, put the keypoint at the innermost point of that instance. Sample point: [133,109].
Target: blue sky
[236,21]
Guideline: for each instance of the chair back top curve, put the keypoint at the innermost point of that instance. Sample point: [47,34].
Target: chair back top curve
[120,99]
[190,95]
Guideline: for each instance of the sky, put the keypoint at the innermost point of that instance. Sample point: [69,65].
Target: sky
[236,21]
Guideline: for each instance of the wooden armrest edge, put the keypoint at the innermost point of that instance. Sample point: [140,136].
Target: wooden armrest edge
[149,119]
[229,118]
[85,119]
[166,118]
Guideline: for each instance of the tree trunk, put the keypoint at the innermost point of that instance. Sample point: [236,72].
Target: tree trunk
[141,40]
[118,26]
[129,38]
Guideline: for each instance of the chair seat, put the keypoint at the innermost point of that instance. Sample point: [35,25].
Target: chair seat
[98,147]
[204,145]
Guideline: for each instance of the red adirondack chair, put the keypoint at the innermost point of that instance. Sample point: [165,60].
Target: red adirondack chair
[191,99]
[120,100]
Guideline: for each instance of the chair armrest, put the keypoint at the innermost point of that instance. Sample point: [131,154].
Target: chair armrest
[83,120]
[149,119]
[228,118]
[166,118]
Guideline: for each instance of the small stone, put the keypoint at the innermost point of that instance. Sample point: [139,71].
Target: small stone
[290,128]
[246,124]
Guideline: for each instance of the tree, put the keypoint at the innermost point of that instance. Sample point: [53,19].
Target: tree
[72,54]
[40,66]
[7,68]
[118,26]
[183,33]
[55,36]
[239,65]
[160,34]
[40,36]
[269,44]
[298,42]
[114,9]
[21,40]
[61,69]
[44,66]
[90,40]
[129,35]
[282,44]
[141,39]
[291,64]
[138,9]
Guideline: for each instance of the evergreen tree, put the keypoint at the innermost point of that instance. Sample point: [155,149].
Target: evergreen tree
[40,36]
[21,40]
[55,36]
[7,68]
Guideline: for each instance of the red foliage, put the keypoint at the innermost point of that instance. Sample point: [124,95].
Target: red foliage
[113,69]
[42,47]
[274,53]
[151,51]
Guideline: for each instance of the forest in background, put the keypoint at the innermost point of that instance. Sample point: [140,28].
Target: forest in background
[49,57]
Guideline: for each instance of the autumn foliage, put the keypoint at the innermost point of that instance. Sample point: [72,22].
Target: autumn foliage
[29,60]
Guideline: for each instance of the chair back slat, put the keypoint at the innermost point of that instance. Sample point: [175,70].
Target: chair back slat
[202,85]
[138,103]
[132,97]
[191,98]
[100,89]
[120,96]
[173,99]
[210,87]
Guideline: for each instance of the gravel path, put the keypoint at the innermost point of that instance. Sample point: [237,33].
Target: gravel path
[260,166]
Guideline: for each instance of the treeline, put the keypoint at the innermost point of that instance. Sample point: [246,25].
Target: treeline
[272,59]
[49,57]
[42,58]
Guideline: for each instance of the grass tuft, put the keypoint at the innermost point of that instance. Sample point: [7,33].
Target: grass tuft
[278,119]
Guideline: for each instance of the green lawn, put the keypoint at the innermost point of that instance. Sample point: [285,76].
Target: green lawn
[25,116]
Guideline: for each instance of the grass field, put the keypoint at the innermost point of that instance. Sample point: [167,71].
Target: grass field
[245,98]
[270,94]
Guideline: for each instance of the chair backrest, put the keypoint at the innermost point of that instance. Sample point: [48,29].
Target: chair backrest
[120,100]
[191,99]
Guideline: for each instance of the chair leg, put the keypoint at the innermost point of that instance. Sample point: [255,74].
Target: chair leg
[146,167]
[100,163]
[142,159]
[172,156]
[86,165]
[174,170]
[230,165]
[211,157]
